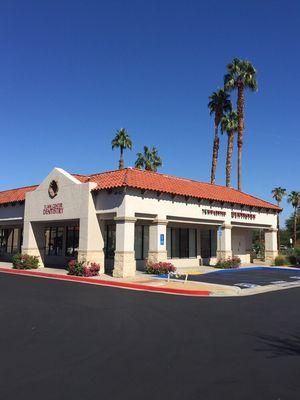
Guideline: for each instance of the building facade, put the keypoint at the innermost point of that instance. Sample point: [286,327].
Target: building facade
[122,219]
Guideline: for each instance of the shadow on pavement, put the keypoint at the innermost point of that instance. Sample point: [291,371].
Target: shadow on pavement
[278,347]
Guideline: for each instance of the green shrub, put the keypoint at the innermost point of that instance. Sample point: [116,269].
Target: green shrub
[281,260]
[25,261]
[231,262]
[294,257]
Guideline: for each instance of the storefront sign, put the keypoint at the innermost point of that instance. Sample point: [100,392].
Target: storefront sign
[53,209]
[216,213]
[242,215]
[162,239]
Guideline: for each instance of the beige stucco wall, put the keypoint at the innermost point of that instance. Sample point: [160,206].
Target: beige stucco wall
[166,207]
[77,204]
[242,243]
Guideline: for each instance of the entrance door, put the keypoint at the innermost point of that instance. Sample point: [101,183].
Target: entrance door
[54,241]
[61,245]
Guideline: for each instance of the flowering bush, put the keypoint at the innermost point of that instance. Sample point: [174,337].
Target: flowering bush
[83,268]
[231,262]
[160,268]
[25,261]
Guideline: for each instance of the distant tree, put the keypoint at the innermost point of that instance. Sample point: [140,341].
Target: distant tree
[229,124]
[240,75]
[219,104]
[294,200]
[278,193]
[149,160]
[289,231]
[122,141]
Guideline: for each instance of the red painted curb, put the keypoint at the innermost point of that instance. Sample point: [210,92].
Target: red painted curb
[102,282]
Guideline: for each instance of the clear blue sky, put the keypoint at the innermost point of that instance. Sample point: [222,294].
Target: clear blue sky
[72,72]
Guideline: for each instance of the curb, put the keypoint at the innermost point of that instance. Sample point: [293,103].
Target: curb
[102,282]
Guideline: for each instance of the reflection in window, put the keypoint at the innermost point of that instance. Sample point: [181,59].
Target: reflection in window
[72,241]
[9,240]
[54,237]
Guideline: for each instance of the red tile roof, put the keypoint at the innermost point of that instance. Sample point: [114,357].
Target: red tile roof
[145,180]
[15,195]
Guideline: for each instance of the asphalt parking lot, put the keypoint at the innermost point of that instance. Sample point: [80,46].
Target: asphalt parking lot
[63,340]
[249,277]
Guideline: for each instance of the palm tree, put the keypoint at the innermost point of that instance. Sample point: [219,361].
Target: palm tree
[278,193]
[122,140]
[229,123]
[240,75]
[294,199]
[149,160]
[219,104]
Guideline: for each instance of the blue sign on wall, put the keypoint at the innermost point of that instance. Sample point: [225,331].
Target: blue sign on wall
[162,239]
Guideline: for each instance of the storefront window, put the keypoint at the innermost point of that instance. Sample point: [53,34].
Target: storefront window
[72,241]
[110,241]
[141,242]
[9,240]
[208,248]
[16,241]
[181,243]
[3,240]
[192,243]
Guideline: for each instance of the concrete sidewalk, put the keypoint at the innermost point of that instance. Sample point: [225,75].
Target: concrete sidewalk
[141,281]
[152,283]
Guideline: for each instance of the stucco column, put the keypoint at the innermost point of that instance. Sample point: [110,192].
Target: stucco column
[34,241]
[91,241]
[158,241]
[224,246]
[270,245]
[124,263]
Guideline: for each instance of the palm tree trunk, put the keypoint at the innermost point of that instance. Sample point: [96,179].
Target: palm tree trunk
[295,227]
[240,112]
[121,162]
[278,229]
[229,157]
[215,155]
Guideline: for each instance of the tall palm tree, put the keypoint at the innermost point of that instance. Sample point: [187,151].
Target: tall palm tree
[149,160]
[229,123]
[294,200]
[278,193]
[219,104]
[240,75]
[122,141]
